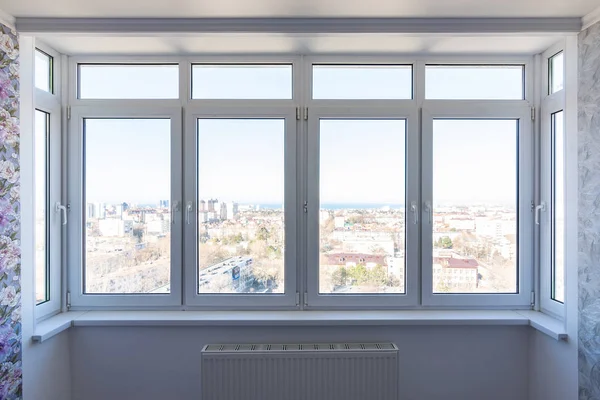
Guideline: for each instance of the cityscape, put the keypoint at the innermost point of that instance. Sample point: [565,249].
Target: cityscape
[242,248]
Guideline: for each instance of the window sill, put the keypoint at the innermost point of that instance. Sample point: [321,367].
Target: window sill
[61,322]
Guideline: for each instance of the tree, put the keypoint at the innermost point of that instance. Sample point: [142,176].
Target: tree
[339,277]
[444,243]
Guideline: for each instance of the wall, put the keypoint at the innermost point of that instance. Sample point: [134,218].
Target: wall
[436,362]
[550,374]
[10,251]
[589,212]
[48,375]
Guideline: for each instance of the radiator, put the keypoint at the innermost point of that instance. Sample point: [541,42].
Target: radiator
[327,371]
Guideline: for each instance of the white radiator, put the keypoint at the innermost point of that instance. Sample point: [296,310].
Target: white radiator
[329,371]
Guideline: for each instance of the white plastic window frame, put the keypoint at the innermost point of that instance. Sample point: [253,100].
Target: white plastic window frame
[76,234]
[550,104]
[285,109]
[50,103]
[302,86]
[358,109]
[501,109]
[286,300]
[314,299]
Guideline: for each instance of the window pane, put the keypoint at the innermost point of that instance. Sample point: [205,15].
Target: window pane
[475,206]
[241,205]
[362,82]
[474,82]
[129,81]
[558,222]
[41,204]
[128,220]
[361,218]
[43,71]
[556,73]
[241,81]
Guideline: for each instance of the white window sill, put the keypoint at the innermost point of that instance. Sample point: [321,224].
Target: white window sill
[61,322]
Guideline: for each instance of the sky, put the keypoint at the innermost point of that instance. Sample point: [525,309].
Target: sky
[362,161]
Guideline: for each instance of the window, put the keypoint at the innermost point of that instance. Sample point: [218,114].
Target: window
[302,184]
[41,175]
[241,81]
[44,71]
[125,218]
[47,171]
[241,212]
[475,82]
[362,82]
[558,207]
[361,212]
[475,204]
[127,214]
[550,212]
[128,81]
[556,73]
[477,191]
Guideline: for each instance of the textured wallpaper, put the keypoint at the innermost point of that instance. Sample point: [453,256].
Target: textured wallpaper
[10,252]
[589,213]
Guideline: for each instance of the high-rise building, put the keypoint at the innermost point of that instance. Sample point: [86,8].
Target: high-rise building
[100,210]
[163,203]
[91,210]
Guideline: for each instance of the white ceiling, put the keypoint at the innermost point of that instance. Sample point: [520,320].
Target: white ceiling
[297,8]
[298,44]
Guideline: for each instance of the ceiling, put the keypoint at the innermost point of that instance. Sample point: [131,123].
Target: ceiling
[298,44]
[296,8]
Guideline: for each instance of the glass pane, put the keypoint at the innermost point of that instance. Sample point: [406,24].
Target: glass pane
[474,82]
[362,82]
[558,222]
[361,217]
[241,205]
[241,81]
[127,219]
[42,126]
[43,71]
[475,206]
[557,75]
[128,81]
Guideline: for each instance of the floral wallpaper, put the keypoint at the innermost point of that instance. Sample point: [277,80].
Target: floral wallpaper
[10,251]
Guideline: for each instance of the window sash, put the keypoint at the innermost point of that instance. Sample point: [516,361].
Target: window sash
[241,301]
[53,219]
[477,110]
[76,233]
[550,106]
[316,300]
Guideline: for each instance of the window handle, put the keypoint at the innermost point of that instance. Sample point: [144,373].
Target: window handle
[58,208]
[188,210]
[541,207]
[174,209]
[415,211]
[429,209]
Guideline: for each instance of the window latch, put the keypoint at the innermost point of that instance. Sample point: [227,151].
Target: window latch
[538,209]
[174,209]
[58,208]
[413,209]
[188,211]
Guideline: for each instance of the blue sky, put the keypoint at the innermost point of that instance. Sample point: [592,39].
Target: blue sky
[242,160]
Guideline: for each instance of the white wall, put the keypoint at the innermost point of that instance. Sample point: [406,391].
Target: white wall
[48,375]
[552,368]
[445,363]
